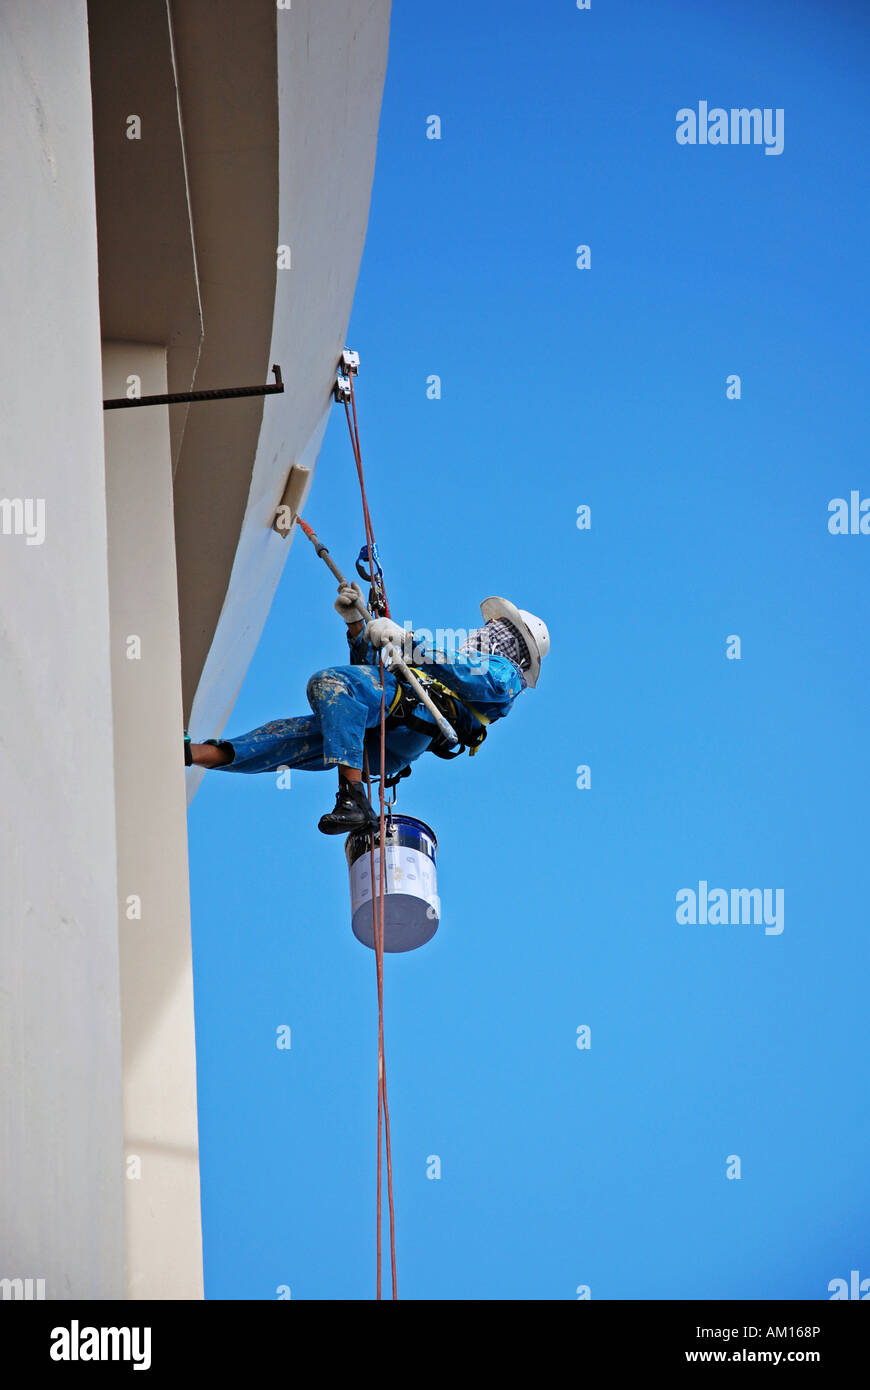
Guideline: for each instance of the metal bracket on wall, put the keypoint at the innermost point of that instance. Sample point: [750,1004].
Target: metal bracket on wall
[183,397]
[348,364]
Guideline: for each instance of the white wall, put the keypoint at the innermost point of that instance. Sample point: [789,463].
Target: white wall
[61,1159]
[164,1247]
[64,1127]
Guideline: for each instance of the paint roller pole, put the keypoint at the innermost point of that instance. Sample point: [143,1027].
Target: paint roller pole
[399,665]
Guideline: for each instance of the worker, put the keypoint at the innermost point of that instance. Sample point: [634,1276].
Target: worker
[472,688]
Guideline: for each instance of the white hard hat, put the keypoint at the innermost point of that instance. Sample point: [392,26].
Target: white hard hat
[533,631]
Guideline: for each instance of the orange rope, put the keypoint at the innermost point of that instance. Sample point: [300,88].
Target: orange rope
[380,970]
[377,896]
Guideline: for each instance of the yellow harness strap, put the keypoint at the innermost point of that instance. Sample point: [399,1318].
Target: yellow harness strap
[427,680]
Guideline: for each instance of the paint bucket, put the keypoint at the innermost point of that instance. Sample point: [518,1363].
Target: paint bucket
[412,908]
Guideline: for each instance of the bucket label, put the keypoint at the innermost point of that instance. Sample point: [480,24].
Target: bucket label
[405,871]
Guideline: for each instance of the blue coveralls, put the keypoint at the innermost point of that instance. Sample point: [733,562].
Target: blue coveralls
[346,704]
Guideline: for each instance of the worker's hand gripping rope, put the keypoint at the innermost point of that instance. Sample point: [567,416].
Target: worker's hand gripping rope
[387,637]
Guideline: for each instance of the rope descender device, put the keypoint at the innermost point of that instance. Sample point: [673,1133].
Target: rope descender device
[374,577]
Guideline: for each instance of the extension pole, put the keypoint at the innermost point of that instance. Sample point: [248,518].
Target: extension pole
[399,665]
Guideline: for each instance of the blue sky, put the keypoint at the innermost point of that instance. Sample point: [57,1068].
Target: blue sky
[562,387]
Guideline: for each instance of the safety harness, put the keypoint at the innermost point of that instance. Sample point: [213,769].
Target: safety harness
[402,713]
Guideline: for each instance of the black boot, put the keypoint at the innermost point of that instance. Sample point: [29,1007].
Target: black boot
[352,811]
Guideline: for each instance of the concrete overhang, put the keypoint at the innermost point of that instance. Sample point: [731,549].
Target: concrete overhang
[258,130]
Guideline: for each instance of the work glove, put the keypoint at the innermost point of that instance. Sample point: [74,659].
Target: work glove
[386,636]
[349,596]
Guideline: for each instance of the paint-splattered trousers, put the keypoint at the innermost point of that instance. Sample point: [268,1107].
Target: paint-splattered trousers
[346,703]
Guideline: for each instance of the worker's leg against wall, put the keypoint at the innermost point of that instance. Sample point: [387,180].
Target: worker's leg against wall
[346,701]
[282,743]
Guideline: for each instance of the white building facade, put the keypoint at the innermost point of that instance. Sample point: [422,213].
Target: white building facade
[185,191]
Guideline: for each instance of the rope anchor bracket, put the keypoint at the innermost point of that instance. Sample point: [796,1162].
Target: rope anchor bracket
[348,365]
